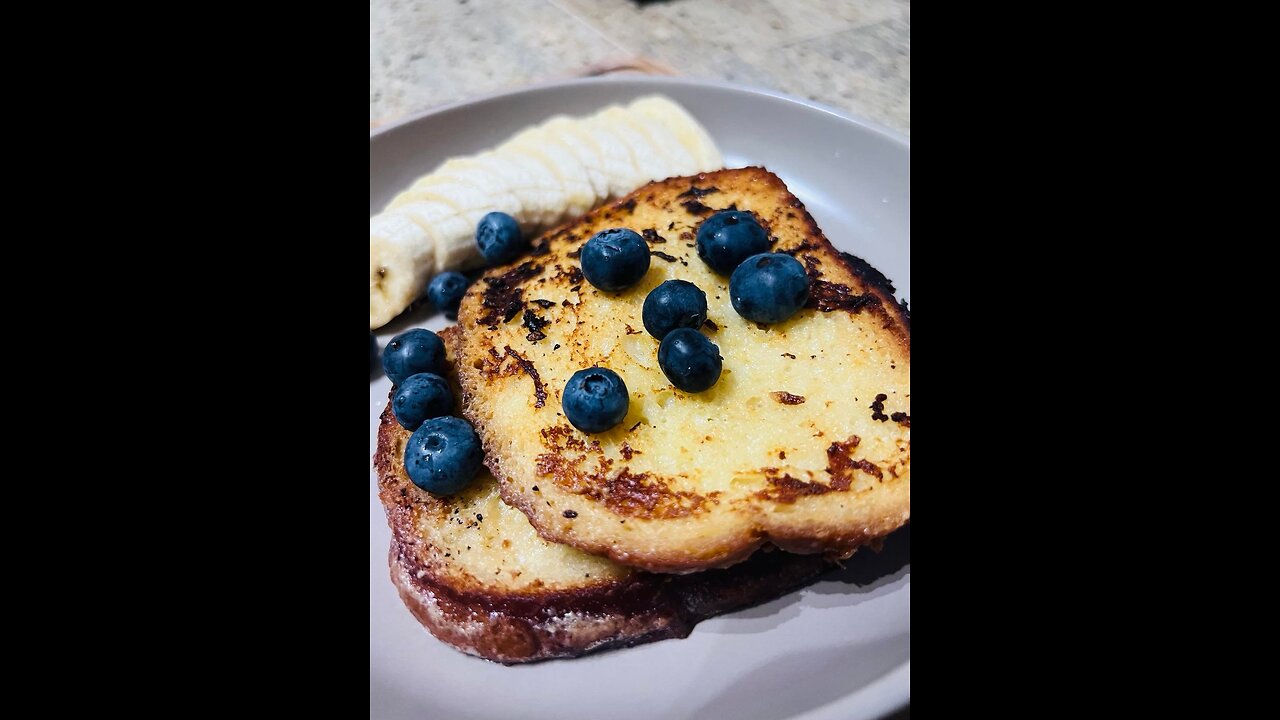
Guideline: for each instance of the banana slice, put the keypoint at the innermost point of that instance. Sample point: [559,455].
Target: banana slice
[539,191]
[616,160]
[691,134]
[462,197]
[679,161]
[563,130]
[470,171]
[648,160]
[538,144]
[452,235]
[400,255]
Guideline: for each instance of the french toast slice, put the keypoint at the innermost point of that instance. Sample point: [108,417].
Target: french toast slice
[805,440]
[476,574]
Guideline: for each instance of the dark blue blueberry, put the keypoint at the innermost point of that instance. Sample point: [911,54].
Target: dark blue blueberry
[769,287]
[443,455]
[615,259]
[421,397]
[729,237]
[498,236]
[674,304]
[373,350]
[689,360]
[595,399]
[446,291]
[412,352]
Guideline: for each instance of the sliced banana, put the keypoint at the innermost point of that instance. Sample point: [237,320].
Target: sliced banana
[473,171]
[649,160]
[563,130]
[462,197]
[648,157]
[538,144]
[539,191]
[616,160]
[452,235]
[679,160]
[686,128]
[401,255]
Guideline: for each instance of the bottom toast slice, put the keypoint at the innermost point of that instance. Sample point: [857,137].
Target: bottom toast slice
[476,574]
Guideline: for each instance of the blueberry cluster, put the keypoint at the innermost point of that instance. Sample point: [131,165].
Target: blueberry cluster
[764,287]
[443,454]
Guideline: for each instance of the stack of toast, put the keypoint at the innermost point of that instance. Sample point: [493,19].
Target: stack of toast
[694,504]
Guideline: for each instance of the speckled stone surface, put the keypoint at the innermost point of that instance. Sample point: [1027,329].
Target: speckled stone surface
[851,54]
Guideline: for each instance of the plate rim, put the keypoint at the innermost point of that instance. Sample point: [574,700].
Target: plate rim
[891,691]
[656,80]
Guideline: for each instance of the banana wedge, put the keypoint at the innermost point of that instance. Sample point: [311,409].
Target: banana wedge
[451,234]
[538,144]
[400,255]
[561,129]
[615,159]
[649,161]
[690,133]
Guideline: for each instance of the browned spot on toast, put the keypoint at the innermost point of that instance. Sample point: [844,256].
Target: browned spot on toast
[695,208]
[828,296]
[562,437]
[494,368]
[840,466]
[651,235]
[665,256]
[573,274]
[786,398]
[534,324]
[503,296]
[877,408]
[697,192]
[624,492]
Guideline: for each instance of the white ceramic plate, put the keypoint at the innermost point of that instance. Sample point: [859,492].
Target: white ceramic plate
[840,648]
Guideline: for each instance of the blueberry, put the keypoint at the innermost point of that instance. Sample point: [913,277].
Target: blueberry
[373,350]
[769,287]
[689,360]
[595,399]
[443,455]
[674,304]
[413,352]
[729,237]
[615,259]
[446,291]
[421,397]
[498,236]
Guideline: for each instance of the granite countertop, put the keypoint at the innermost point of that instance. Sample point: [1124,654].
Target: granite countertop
[851,54]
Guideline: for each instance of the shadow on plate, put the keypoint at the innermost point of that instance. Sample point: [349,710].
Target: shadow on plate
[863,575]
[416,316]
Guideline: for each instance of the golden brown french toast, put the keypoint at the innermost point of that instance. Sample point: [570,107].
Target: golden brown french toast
[476,574]
[805,440]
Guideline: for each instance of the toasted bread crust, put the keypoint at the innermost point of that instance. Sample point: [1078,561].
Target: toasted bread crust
[517,629]
[691,503]
[491,617]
